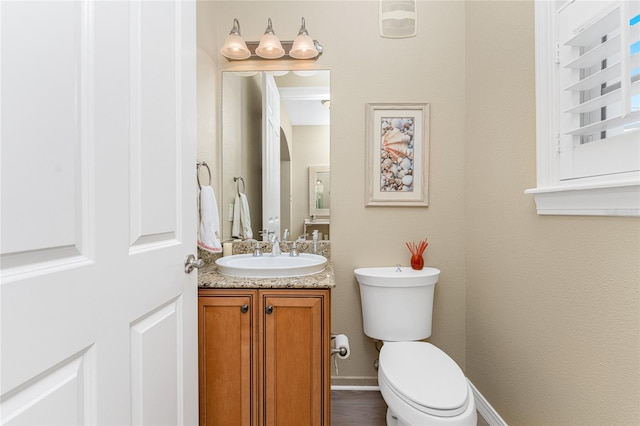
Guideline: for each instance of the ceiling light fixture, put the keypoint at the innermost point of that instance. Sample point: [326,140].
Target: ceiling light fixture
[270,46]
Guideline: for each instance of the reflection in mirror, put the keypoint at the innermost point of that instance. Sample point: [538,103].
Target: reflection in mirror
[319,191]
[275,126]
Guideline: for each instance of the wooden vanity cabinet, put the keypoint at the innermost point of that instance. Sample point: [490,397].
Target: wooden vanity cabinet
[227,346]
[264,356]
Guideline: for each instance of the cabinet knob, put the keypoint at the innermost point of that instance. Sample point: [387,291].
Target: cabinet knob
[244,309]
[269,309]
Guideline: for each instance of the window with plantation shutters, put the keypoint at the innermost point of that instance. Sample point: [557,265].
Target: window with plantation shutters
[600,79]
[588,107]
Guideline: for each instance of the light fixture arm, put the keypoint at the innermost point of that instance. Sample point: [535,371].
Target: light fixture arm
[269,29]
[303,29]
[236,27]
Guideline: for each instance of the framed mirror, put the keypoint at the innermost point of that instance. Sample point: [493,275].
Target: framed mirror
[319,191]
[273,152]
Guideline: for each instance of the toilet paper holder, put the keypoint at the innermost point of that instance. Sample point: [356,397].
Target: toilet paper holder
[341,351]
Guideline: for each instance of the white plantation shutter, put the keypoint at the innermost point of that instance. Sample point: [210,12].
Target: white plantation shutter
[599,84]
[587,107]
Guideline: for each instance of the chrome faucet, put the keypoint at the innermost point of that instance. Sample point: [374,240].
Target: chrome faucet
[294,249]
[257,251]
[275,246]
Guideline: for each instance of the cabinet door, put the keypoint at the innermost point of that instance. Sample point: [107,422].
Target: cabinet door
[228,343]
[295,355]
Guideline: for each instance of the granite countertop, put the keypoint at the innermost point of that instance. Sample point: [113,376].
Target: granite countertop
[209,277]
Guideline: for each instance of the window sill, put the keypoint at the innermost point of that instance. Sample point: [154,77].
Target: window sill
[588,200]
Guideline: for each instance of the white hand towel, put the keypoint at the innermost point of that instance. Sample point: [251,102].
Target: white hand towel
[241,227]
[209,220]
[246,217]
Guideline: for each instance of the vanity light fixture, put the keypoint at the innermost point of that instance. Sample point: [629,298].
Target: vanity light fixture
[234,46]
[270,47]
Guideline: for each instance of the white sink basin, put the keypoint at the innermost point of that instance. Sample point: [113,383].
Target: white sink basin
[268,266]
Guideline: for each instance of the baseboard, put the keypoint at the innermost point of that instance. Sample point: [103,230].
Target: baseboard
[354,381]
[485,409]
[354,388]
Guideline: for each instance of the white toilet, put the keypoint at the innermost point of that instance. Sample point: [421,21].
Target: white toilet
[420,383]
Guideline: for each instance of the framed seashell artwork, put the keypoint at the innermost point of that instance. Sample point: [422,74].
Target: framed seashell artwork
[397,154]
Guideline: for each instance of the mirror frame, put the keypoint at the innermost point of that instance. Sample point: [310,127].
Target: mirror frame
[250,69]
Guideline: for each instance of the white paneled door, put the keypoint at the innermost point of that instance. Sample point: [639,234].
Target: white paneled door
[98,212]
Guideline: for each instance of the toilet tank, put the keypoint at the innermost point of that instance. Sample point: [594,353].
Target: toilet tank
[397,303]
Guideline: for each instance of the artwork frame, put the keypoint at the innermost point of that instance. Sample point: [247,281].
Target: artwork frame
[397,145]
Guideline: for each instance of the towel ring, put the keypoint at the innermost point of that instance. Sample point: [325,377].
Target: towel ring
[236,179]
[201,164]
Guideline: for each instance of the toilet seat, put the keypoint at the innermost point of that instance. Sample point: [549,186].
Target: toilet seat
[424,377]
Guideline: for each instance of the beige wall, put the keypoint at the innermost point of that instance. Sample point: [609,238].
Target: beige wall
[541,312]
[552,302]
[207,91]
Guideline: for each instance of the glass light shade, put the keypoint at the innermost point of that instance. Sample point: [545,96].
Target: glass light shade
[303,48]
[270,47]
[235,48]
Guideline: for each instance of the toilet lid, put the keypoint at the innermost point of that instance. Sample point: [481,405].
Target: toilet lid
[425,377]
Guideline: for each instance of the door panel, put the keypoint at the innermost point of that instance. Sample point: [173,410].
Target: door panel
[62,395]
[98,319]
[49,224]
[155,121]
[156,352]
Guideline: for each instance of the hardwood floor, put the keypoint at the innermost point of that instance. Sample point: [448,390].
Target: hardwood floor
[357,408]
[363,408]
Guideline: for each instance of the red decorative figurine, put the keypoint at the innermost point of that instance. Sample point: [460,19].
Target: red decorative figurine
[417,261]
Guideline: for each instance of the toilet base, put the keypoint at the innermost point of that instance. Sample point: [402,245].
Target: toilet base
[393,420]
[400,413]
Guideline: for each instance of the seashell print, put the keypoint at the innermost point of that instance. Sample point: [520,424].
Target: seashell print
[396,143]
[396,154]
